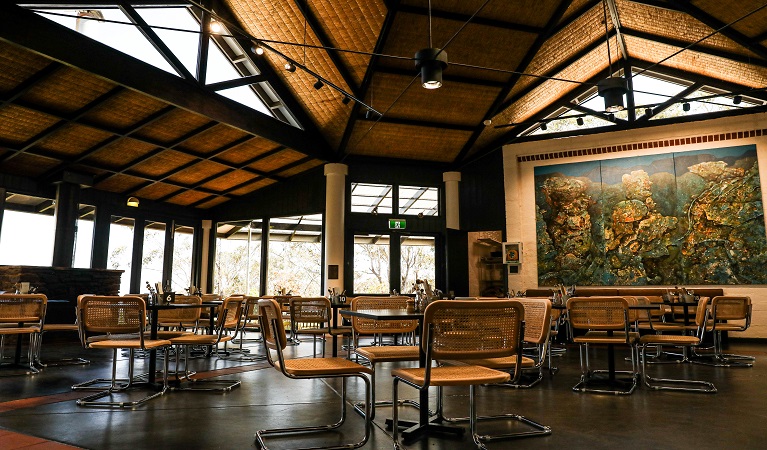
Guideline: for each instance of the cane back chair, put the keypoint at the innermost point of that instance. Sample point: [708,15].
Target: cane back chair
[23,314]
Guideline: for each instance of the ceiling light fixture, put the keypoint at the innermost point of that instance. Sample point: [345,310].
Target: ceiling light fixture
[611,88]
[431,62]
[290,67]
[318,85]
[257,49]
[648,111]
[685,106]
[346,100]
[133,202]
[215,26]
[543,126]
[579,121]
[487,122]
[737,99]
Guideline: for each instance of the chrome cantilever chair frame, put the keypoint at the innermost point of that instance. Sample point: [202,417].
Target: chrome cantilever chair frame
[722,311]
[23,314]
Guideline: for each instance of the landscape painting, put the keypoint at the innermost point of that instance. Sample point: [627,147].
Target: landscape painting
[671,219]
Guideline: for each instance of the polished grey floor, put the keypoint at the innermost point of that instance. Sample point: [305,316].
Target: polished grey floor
[43,405]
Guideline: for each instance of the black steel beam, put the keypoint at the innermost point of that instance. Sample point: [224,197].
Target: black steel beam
[463,18]
[237,82]
[416,123]
[56,42]
[670,102]
[446,77]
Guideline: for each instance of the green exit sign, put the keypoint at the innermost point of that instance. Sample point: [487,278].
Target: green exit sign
[397,224]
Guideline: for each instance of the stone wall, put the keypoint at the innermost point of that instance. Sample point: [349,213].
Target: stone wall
[61,283]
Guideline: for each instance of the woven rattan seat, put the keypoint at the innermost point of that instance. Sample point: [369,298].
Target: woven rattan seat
[275,340]
[111,322]
[600,317]
[466,330]
[388,353]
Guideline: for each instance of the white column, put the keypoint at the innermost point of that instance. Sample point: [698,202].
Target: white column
[206,226]
[335,196]
[452,199]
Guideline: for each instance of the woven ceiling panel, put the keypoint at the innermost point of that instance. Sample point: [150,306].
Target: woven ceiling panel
[574,8]
[582,32]
[125,110]
[210,140]
[172,126]
[351,25]
[229,180]
[72,139]
[710,66]
[214,201]
[300,168]
[56,91]
[283,21]
[406,141]
[439,105]
[247,150]
[729,11]
[276,161]
[27,165]
[18,124]
[157,191]
[17,65]
[162,163]
[119,183]
[120,153]
[262,183]
[677,25]
[186,198]
[200,171]
[525,12]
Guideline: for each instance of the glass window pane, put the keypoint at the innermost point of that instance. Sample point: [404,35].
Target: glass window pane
[121,249]
[238,258]
[182,44]
[371,264]
[183,240]
[416,262]
[28,231]
[414,200]
[153,254]
[371,198]
[84,236]
[295,255]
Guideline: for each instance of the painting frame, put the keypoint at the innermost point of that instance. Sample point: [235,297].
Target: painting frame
[512,253]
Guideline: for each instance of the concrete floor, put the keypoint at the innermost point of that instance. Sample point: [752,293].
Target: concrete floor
[43,406]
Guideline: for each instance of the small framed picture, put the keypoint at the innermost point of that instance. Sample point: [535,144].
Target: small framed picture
[512,253]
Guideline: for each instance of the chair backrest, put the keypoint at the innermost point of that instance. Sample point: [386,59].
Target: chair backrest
[272,327]
[26,308]
[250,308]
[106,314]
[230,313]
[731,308]
[537,319]
[179,315]
[471,329]
[598,313]
[312,311]
[370,326]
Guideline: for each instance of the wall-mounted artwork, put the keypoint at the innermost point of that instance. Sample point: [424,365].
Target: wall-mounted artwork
[670,219]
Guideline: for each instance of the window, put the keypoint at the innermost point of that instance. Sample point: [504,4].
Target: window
[416,261]
[295,255]
[418,201]
[371,198]
[121,249]
[238,258]
[183,241]
[84,236]
[371,264]
[28,231]
[153,255]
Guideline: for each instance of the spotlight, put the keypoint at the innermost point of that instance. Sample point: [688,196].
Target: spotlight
[369,114]
[487,122]
[736,100]
[132,202]
[215,26]
[431,62]
[290,67]
[346,100]
[257,49]
[374,211]
[648,111]
[579,121]
[685,106]
[612,90]
[543,126]
[318,85]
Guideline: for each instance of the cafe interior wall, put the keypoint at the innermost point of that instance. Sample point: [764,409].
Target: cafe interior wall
[519,169]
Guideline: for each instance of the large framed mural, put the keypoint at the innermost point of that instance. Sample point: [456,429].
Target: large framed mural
[670,219]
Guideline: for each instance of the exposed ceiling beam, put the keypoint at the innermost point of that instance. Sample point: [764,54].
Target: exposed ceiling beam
[57,42]
[617,25]
[416,123]
[670,102]
[24,87]
[551,24]
[324,39]
[237,82]
[392,7]
[463,18]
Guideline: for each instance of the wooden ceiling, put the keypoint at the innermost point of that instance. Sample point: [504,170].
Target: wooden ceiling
[70,104]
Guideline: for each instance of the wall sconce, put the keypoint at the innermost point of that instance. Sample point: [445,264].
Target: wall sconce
[133,202]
